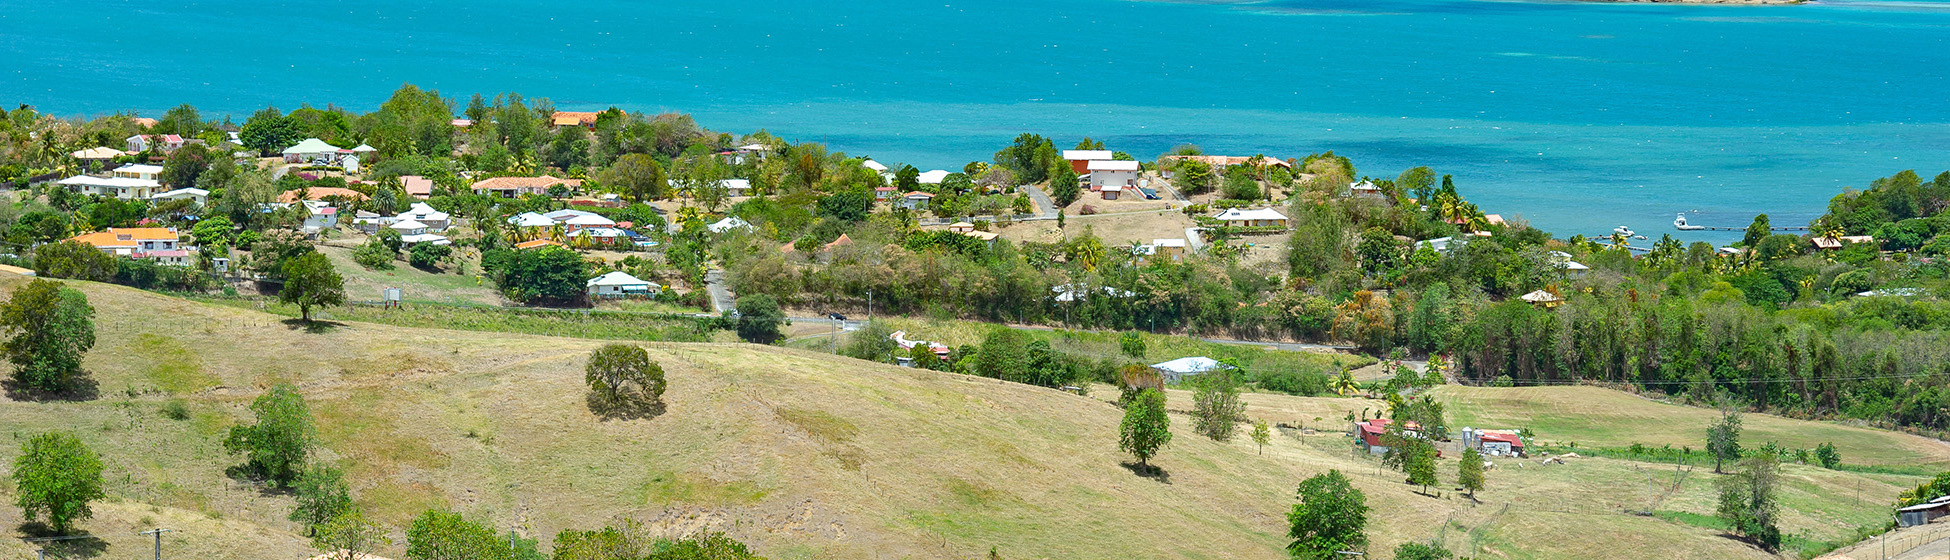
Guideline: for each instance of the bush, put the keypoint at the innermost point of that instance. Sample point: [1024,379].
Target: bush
[73,259]
[176,410]
[374,255]
[1503,381]
[428,256]
[759,318]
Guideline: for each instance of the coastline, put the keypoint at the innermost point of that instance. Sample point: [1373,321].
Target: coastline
[1703,2]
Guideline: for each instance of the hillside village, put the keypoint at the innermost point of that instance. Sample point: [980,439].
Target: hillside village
[623,328]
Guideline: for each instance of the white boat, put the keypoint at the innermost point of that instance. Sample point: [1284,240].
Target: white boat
[1623,230]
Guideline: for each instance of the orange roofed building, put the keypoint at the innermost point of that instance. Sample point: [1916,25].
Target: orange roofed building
[585,119]
[320,193]
[158,243]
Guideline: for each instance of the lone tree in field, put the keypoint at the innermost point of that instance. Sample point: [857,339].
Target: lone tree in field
[1132,344]
[280,441]
[1331,517]
[56,475]
[1827,456]
[1747,500]
[622,378]
[1418,460]
[349,536]
[1216,407]
[1469,473]
[1261,435]
[309,281]
[322,497]
[1145,428]
[1723,439]
[759,318]
[49,327]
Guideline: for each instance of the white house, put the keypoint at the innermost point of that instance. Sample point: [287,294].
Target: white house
[312,149]
[933,177]
[916,200]
[728,224]
[419,238]
[1261,217]
[421,212]
[619,283]
[321,216]
[129,182]
[1112,172]
[1366,190]
[530,220]
[736,187]
[200,196]
[408,227]
[142,142]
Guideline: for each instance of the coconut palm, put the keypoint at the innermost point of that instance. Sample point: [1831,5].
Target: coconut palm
[1344,384]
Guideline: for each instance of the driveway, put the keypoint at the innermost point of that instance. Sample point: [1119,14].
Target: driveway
[720,297]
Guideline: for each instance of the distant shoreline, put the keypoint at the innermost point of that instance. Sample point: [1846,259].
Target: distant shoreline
[1750,2]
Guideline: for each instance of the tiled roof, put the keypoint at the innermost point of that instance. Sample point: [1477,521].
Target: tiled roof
[125,237]
[503,183]
[320,193]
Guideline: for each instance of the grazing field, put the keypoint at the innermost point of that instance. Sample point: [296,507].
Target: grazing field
[1599,417]
[805,455]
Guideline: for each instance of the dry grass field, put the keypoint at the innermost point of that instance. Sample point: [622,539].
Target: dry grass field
[803,454]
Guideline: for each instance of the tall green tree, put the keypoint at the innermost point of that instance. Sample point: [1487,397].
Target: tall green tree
[1469,471]
[1747,501]
[56,475]
[48,327]
[310,281]
[759,319]
[1216,406]
[1723,439]
[1332,517]
[268,132]
[1064,187]
[73,259]
[637,176]
[1756,232]
[278,444]
[622,377]
[1419,182]
[445,535]
[322,496]
[1145,428]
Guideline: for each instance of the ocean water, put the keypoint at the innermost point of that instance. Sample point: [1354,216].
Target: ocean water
[1574,116]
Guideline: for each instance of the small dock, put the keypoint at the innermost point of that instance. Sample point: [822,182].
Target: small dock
[1681,225]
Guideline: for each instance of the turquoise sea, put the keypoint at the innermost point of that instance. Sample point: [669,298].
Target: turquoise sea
[1575,116]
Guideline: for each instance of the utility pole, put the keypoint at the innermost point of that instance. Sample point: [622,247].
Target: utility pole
[869,305]
[158,533]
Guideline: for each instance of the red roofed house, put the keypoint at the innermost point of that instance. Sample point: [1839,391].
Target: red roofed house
[416,185]
[884,193]
[167,142]
[141,243]
[1371,434]
[511,187]
[1494,442]
[320,193]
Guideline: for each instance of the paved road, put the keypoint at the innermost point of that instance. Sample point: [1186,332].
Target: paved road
[720,297]
[1042,201]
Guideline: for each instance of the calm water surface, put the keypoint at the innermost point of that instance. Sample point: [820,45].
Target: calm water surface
[1575,116]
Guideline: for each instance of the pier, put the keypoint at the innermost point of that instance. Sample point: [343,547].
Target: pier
[1681,225]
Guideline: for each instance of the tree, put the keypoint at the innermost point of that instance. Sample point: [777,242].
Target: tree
[1332,517]
[277,445]
[1417,457]
[349,536]
[621,376]
[1723,439]
[1261,435]
[850,205]
[759,318]
[1132,344]
[1747,500]
[268,131]
[1193,177]
[1216,406]
[445,535]
[638,176]
[73,259]
[184,166]
[1827,456]
[549,274]
[374,254]
[1145,427]
[309,281]
[872,343]
[1469,472]
[1421,551]
[1756,232]
[49,327]
[1419,182]
[57,475]
[322,495]
[1063,186]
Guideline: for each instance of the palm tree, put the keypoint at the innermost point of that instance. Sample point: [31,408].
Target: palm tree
[1344,384]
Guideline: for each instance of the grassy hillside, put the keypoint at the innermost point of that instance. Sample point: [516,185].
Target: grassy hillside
[805,455]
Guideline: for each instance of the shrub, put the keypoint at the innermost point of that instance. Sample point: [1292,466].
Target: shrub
[57,475]
[1503,381]
[428,256]
[374,255]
